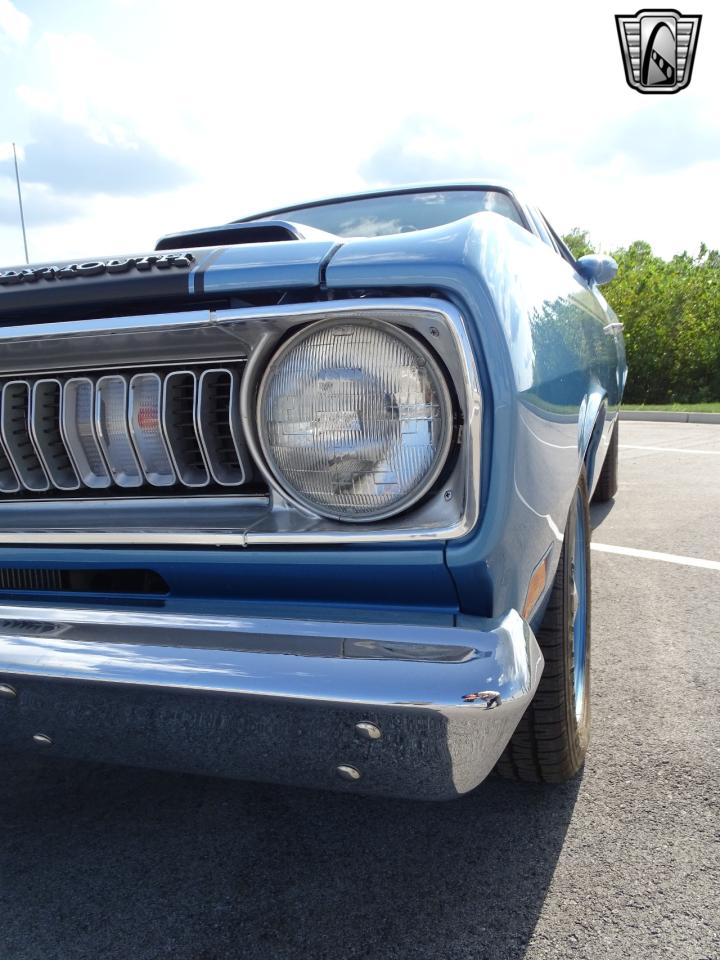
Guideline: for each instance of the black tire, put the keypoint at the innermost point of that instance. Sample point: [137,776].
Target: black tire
[607,484]
[550,742]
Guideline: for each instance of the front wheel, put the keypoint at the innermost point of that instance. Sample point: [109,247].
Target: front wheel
[607,484]
[551,740]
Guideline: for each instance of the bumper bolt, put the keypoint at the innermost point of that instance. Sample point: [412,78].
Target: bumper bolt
[368,731]
[7,691]
[348,773]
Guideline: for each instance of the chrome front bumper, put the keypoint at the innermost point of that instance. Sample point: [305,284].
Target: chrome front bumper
[406,711]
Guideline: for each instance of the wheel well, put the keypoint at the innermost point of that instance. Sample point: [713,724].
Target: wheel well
[590,458]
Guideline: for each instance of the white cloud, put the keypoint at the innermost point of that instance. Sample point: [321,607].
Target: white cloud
[14,25]
[71,161]
[279,103]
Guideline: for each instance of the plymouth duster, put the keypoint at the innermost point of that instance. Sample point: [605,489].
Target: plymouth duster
[304,498]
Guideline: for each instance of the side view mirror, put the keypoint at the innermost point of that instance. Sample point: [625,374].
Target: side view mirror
[596,268]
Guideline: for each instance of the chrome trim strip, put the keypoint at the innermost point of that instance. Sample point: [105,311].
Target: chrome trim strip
[11,481]
[153,476]
[70,482]
[233,422]
[199,477]
[33,477]
[129,473]
[94,475]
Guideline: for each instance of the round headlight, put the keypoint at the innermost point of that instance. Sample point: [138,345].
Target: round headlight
[354,419]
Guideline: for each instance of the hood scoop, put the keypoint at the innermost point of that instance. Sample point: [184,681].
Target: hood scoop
[231,234]
[187,270]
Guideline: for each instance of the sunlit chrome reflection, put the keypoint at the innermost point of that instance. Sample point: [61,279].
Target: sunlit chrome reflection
[144,417]
[112,429]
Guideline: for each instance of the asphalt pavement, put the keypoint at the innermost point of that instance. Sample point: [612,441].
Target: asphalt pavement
[98,863]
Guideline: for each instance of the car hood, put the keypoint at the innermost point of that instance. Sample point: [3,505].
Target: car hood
[185,275]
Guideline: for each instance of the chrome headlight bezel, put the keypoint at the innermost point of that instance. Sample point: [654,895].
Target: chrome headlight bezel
[258,514]
[439,380]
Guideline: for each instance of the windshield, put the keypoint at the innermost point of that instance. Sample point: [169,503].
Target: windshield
[400,212]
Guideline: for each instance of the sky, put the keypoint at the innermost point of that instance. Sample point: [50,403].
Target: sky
[136,118]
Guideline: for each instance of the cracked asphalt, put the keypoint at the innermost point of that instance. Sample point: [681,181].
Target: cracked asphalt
[102,862]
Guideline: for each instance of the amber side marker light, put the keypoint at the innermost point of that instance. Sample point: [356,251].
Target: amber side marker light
[536,587]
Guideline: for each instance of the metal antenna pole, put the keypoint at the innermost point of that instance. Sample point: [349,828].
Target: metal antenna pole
[20,203]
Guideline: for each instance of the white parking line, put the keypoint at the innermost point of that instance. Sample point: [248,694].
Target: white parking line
[632,446]
[652,555]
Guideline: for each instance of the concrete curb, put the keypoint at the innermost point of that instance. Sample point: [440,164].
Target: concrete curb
[670,416]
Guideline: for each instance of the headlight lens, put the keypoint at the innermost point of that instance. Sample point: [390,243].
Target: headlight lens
[355,419]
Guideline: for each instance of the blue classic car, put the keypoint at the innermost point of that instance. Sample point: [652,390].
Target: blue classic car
[304,498]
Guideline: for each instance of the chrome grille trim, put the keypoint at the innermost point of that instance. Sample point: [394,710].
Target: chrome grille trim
[155,463]
[113,431]
[78,431]
[258,515]
[17,439]
[218,426]
[165,428]
[179,423]
[46,429]
[9,482]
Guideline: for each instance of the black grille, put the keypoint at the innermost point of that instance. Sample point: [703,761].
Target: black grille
[47,580]
[12,578]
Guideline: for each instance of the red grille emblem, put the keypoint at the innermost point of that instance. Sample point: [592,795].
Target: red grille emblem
[147,418]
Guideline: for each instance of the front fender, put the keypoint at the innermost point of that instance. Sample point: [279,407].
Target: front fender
[538,335]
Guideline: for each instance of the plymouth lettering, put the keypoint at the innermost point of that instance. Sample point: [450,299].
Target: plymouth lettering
[94,268]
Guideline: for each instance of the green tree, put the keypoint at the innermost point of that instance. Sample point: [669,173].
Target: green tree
[578,242]
[671,312]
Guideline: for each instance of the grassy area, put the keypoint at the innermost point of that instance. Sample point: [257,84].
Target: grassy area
[684,407]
